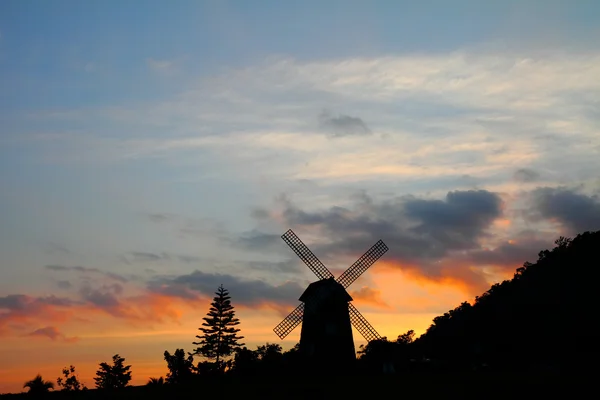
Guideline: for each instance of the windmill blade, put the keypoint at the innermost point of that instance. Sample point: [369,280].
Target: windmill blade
[315,265]
[362,264]
[290,322]
[362,325]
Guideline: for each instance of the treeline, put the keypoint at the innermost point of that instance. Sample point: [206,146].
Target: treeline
[535,321]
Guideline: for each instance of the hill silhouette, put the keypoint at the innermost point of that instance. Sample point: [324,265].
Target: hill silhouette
[536,320]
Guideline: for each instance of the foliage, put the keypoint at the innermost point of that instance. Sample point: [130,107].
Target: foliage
[70,383]
[114,376]
[180,367]
[266,359]
[155,382]
[38,385]
[522,322]
[219,333]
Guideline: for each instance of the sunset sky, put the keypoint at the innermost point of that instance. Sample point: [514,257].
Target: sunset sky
[153,150]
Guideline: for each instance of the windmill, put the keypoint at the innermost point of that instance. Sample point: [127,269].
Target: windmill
[325,309]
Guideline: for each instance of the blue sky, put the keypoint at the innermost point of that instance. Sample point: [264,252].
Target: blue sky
[149,150]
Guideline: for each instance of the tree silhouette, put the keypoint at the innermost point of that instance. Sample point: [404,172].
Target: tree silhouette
[522,323]
[38,385]
[156,382]
[245,361]
[180,367]
[70,383]
[219,333]
[114,376]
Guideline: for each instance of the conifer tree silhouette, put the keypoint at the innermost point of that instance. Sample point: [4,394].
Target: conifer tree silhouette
[219,333]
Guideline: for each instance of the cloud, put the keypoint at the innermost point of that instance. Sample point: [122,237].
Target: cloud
[526,175]
[24,309]
[369,296]
[343,125]
[257,240]
[64,284]
[111,275]
[421,233]
[244,292]
[291,265]
[577,212]
[459,220]
[164,66]
[465,112]
[55,248]
[53,333]
[23,303]
[259,213]
[144,256]
[19,312]
[160,217]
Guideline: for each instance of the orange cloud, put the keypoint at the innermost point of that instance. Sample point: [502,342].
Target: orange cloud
[369,296]
[51,332]
[23,314]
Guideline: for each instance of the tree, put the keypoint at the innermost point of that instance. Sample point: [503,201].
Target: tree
[114,376]
[406,338]
[70,383]
[219,336]
[38,385]
[180,368]
[245,361]
[156,382]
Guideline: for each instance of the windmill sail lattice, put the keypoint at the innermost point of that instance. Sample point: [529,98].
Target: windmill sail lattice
[346,279]
[361,324]
[290,322]
[362,264]
[315,265]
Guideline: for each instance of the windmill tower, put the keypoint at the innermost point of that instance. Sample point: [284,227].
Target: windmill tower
[326,313]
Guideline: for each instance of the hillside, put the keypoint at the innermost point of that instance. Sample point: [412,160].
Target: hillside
[538,319]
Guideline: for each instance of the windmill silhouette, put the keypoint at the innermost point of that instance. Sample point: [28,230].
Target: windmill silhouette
[326,312]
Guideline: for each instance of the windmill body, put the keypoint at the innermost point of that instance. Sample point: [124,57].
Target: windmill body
[326,312]
[326,329]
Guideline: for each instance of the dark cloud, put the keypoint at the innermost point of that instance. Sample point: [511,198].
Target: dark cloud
[343,125]
[510,254]
[111,275]
[259,213]
[52,333]
[291,265]
[65,268]
[576,211]
[144,256]
[55,248]
[526,175]
[64,284]
[160,217]
[417,228]
[257,240]
[419,232]
[189,259]
[246,292]
[459,221]
[23,308]
[105,298]
[22,302]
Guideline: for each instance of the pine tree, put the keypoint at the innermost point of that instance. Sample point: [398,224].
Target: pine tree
[219,335]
